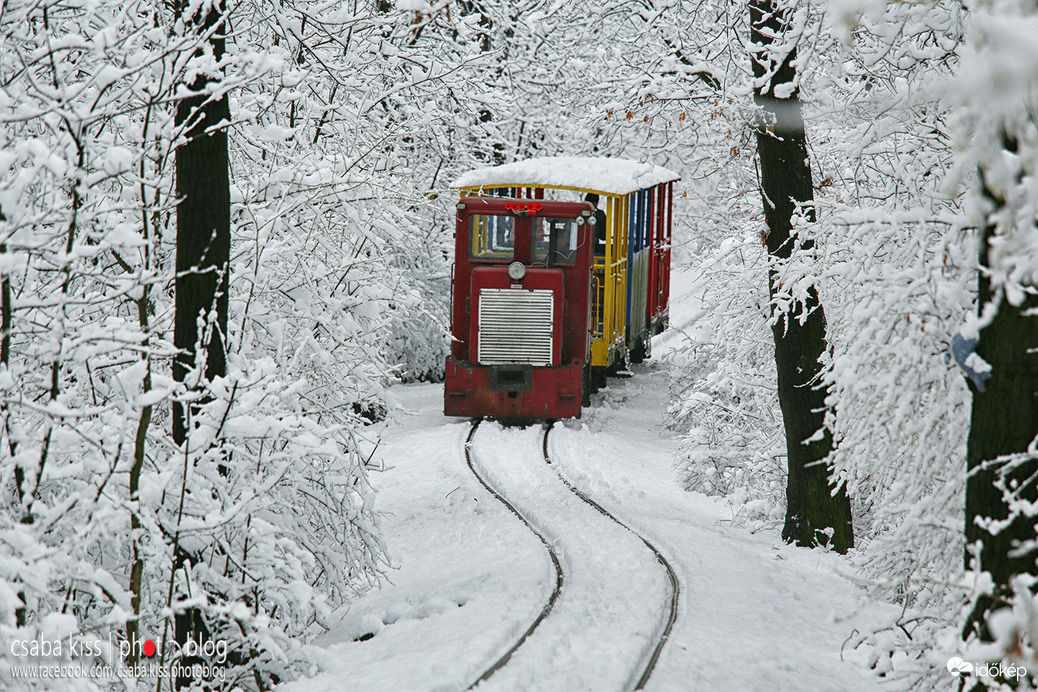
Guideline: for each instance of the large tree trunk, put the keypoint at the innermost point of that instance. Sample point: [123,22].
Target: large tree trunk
[815,514]
[1003,422]
[203,256]
[203,227]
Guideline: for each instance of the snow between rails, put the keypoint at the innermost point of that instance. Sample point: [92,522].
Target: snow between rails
[614,588]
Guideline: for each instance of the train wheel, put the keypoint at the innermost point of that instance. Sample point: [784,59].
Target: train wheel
[637,354]
[643,350]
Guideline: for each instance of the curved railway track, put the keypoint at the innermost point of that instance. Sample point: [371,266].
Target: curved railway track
[645,670]
[559,576]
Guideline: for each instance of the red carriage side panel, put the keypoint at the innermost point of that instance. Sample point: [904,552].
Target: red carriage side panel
[664,306]
[653,298]
[659,272]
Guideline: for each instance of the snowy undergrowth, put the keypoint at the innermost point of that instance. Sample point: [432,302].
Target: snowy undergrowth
[724,396]
[726,401]
[264,522]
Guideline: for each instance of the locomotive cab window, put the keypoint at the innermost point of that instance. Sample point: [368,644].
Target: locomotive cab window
[491,237]
[555,241]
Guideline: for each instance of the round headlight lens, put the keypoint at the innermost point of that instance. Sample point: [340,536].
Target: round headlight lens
[516,271]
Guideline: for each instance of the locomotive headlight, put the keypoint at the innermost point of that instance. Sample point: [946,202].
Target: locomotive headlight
[516,271]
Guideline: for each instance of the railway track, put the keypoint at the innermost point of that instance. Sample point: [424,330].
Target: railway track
[556,564]
[642,673]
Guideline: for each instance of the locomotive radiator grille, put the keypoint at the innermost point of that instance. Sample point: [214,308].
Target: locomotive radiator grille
[515,326]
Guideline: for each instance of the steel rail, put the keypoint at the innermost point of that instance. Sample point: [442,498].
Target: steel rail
[675,589]
[559,576]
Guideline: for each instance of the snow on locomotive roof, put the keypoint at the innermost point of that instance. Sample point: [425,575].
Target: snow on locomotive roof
[596,174]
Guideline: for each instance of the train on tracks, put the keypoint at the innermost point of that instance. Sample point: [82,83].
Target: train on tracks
[561,277]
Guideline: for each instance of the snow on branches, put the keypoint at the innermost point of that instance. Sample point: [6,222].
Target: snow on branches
[264,522]
[893,263]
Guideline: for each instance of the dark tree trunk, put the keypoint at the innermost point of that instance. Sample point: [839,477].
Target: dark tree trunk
[1003,421]
[203,255]
[203,227]
[813,510]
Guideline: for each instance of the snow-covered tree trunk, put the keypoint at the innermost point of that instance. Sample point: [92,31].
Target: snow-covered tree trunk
[999,139]
[1003,429]
[816,513]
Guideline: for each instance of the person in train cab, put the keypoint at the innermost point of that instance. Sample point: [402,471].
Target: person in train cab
[600,224]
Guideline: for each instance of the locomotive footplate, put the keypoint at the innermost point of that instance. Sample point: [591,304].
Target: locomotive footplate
[512,391]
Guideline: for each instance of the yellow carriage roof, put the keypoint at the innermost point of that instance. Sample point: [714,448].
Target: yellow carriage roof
[586,174]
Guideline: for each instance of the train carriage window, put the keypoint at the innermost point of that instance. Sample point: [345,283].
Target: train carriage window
[646,217]
[491,237]
[636,222]
[555,241]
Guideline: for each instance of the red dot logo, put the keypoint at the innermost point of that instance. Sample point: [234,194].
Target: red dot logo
[149,648]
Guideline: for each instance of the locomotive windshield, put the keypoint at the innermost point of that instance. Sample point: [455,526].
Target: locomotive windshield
[555,241]
[491,237]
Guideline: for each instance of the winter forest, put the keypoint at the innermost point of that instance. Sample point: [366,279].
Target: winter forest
[225,264]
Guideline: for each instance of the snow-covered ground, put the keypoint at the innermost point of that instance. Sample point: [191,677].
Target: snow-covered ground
[469,578]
